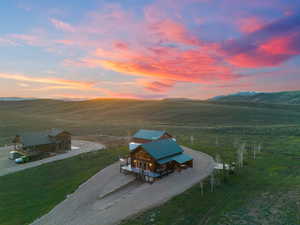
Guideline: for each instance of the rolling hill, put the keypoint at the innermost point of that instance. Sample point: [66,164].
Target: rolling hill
[120,117]
[289,97]
[268,185]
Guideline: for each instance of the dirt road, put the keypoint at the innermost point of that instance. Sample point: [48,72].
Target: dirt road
[109,196]
[8,166]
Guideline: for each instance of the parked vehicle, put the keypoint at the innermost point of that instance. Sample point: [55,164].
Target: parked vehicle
[14,155]
[22,159]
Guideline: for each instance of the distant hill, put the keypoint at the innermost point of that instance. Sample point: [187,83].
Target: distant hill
[243,93]
[288,97]
[117,116]
[15,99]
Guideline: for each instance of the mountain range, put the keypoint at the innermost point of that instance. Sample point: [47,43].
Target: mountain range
[287,97]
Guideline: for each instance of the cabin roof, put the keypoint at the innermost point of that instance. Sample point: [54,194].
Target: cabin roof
[162,149]
[180,158]
[149,134]
[39,138]
[54,132]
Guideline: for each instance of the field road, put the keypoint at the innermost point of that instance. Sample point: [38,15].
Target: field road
[109,197]
[78,147]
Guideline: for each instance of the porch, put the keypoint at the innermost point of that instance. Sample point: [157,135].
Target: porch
[145,175]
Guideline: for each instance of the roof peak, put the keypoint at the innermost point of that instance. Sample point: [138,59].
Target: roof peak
[149,134]
[162,148]
[38,138]
[49,131]
[160,140]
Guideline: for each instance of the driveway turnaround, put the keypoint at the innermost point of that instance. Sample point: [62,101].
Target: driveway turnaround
[8,166]
[109,197]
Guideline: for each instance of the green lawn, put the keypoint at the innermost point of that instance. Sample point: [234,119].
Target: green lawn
[27,195]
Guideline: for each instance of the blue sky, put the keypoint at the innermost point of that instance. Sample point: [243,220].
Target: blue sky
[148,48]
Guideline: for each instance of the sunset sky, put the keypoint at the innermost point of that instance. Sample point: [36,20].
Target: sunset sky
[148,48]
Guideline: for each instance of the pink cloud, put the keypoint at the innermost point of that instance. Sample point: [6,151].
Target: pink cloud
[164,63]
[271,45]
[162,49]
[8,42]
[170,31]
[159,86]
[62,25]
[27,38]
[66,42]
[282,45]
[272,52]
[121,45]
[250,24]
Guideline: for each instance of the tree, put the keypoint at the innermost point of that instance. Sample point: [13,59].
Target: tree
[217,141]
[235,143]
[218,158]
[192,139]
[212,182]
[254,151]
[201,186]
[259,147]
[240,155]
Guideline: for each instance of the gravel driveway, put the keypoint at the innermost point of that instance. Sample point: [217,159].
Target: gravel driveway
[109,196]
[8,166]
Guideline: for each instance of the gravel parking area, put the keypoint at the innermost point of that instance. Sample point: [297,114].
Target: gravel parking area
[78,147]
[4,161]
[109,197]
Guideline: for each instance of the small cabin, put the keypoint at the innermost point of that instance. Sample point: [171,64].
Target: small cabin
[156,159]
[145,136]
[54,140]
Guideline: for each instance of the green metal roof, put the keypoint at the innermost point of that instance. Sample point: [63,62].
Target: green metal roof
[165,160]
[162,148]
[180,158]
[149,134]
[54,132]
[39,138]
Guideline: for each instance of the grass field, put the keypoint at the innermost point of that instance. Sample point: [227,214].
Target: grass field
[108,116]
[27,195]
[265,191]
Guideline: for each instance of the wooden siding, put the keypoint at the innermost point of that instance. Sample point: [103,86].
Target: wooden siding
[61,143]
[141,159]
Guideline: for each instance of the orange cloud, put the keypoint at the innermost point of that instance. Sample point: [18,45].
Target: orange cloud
[55,81]
[65,42]
[61,84]
[159,48]
[164,63]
